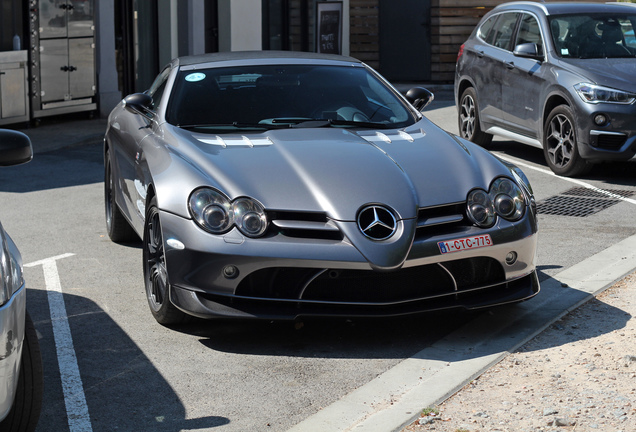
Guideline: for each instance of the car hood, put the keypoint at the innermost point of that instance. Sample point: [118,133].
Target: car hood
[617,73]
[338,171]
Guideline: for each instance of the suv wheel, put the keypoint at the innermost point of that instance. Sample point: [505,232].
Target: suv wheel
[468,119]
[560,144]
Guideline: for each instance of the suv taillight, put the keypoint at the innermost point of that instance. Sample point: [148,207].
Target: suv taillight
[461,51]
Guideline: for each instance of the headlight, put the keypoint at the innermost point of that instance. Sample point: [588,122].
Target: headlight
[480,208]
[215,213]
[211,210]
[504,198]
[249,217]
[508,199]
[10,269]
[592,93]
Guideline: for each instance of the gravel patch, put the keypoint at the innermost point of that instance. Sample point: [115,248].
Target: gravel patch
[578,375]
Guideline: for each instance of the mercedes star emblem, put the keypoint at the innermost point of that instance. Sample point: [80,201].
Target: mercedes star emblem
[377,222]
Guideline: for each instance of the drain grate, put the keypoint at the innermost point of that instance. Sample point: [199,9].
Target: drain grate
[580,202]
[585,192]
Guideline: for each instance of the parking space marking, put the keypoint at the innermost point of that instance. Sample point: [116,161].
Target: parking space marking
[74,398]
[571,180]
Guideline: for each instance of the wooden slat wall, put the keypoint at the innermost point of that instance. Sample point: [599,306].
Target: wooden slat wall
[364,31]
[452,21]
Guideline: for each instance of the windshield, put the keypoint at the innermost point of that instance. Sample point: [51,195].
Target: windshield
[277,96]
[594,35]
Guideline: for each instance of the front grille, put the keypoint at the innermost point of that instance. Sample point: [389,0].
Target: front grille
[372,287]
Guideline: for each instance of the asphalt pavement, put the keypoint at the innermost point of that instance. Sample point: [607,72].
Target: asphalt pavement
[447,365]
[56,132]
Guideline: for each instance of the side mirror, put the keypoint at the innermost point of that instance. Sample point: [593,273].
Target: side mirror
[139,103]
[15,148]
[419,97]
[528,50]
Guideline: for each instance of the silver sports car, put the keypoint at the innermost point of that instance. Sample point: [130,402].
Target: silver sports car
[283,184]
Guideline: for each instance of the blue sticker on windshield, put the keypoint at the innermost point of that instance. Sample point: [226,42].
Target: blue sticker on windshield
[194,77]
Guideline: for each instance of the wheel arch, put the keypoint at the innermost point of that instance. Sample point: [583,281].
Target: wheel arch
[461,88]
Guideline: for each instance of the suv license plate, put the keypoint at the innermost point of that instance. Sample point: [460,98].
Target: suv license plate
[464,244]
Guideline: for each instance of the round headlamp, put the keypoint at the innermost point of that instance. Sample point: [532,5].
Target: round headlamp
[249,217]
[480,208]
[211,210]
[215,213]
[508,199]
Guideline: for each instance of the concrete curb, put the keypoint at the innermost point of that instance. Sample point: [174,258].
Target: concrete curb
[395,399]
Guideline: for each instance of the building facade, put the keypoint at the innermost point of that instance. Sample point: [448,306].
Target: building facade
[406,40]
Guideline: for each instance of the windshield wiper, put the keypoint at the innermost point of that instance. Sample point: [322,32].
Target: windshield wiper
[321,122]
[236,125]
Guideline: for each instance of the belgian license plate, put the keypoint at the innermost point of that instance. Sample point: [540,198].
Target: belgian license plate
[464,243]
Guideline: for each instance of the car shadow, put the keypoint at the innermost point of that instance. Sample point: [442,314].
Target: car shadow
[398,337]
[359,338]
[119,381]
[592,321]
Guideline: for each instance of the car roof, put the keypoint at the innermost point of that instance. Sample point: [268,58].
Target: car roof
[562,8]
[262,57]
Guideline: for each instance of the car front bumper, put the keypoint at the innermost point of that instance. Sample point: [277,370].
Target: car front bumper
[282,277]
[12,321]
[613,140]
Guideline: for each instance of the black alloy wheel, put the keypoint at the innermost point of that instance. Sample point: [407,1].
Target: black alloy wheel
[560,144]
[468,119]
[156,273]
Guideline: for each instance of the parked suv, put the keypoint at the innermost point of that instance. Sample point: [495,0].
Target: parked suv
[557,76]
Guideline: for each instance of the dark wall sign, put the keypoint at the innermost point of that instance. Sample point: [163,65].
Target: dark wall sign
[329,27]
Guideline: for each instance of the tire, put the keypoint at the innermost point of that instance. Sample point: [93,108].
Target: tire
[155,272]
[560,144]
[25,412]
[468,119]
[119,230]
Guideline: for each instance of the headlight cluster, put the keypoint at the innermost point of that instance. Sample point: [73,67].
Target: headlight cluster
[214,212]
[10,271]
[504,198]
[592,93]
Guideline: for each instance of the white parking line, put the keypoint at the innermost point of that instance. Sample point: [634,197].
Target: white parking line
[571,180]
[74,398]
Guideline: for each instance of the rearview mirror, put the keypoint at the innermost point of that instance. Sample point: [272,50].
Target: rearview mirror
[15,148]
[419,97]
[139,103]
[528,50]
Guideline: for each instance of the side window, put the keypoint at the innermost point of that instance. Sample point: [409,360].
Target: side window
[628,32]
[529,32]
[504,29]
[485,28]
[158,86]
